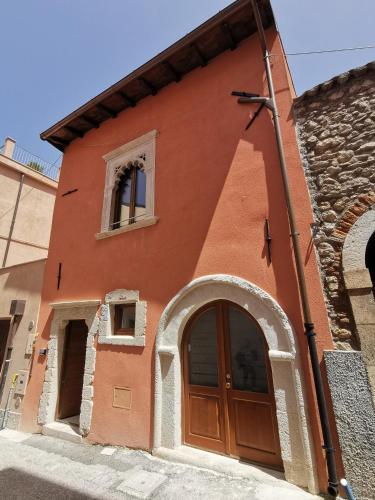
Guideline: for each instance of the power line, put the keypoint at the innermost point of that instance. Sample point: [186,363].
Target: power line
[326,51]
[57,159]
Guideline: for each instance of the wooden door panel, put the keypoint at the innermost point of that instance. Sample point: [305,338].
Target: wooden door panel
[72,371]
[205,416]
[204,411]
[228,393]
[204,419]
[254,425]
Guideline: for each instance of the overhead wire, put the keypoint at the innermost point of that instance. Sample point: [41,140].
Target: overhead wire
[326,51]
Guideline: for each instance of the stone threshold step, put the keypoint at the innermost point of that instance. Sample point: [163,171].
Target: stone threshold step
[61,430]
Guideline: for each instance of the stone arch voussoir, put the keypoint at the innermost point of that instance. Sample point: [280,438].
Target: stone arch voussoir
[291,408]
[352,214]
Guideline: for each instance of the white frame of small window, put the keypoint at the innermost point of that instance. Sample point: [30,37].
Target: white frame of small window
[139,152]
[107,323]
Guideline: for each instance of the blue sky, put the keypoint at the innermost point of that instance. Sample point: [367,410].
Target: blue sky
[58,54]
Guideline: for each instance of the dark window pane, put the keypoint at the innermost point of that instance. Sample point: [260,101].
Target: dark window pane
[202,350]
[249,372]
[140,195]
[140,198]
[124,319]
[123,193]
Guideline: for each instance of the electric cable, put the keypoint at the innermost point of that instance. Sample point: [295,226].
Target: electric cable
[326,51]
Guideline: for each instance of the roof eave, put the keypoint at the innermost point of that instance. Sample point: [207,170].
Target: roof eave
[62,133]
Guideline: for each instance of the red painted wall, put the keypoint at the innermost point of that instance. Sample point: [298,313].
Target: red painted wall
[215,184]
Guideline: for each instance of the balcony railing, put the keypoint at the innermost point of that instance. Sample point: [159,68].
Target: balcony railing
[30,160]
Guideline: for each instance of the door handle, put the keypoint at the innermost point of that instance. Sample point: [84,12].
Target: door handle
[227,385]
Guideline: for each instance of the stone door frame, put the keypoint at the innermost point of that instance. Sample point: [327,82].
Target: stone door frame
[291,406]
[63,312]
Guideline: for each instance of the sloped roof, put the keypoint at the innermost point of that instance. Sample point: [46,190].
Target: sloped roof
[222,32]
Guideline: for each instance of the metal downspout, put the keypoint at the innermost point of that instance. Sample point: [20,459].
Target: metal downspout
[13,220]
[309,325]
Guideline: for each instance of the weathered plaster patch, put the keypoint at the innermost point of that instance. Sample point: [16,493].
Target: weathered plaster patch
[11,420]
[63,313]
[355,418]
[292,416]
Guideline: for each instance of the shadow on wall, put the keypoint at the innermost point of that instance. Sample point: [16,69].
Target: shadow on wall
[16,483]
[24,278]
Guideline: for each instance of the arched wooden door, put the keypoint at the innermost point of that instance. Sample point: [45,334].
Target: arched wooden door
[228,393]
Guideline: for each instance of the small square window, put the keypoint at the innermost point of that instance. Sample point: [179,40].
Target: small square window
[124,323]
[123,319]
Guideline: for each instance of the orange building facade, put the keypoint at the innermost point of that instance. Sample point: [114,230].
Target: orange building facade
[191,323]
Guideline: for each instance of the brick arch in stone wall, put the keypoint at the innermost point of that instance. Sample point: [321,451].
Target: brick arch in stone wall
[350,216]
[344,328]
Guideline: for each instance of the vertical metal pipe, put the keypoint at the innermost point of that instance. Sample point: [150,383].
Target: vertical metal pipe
[309,326]
[13,220]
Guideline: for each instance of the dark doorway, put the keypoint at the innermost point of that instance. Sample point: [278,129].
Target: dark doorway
[4,332]
[5,352]
[72,370]
[228,392]
[370,259]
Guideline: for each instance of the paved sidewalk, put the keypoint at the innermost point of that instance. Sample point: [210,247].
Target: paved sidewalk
[36,467]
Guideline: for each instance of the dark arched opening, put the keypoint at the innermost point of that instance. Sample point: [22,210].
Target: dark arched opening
[370,259]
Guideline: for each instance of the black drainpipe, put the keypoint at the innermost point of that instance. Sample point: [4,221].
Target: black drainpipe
[309,325]
[13,220]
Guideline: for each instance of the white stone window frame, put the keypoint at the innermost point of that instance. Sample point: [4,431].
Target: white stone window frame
[141,153]
[107,313]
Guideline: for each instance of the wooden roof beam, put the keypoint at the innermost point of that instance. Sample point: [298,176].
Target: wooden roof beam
[199,54]
[107,110]
[126,99]
[172,70]
[228,32]
[90,121]
[61,142]
[153,90]
[74,131]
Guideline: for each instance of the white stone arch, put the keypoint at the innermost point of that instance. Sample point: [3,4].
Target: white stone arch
[354,249]
[291,407]
[359,286]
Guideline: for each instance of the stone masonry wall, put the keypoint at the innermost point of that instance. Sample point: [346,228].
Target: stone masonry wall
[336,131]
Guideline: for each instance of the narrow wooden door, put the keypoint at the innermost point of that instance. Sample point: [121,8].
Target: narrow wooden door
[228,393]
[204,405]
[73,365]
